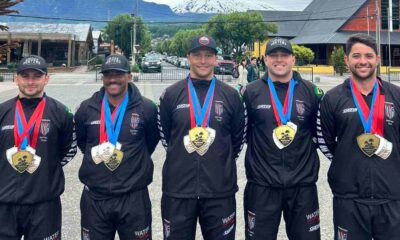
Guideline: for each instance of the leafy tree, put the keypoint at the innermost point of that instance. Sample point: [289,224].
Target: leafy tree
[234,31]
[4,10]
[303,54]
[181,40]
[162,29]
[119,29]
[337,58]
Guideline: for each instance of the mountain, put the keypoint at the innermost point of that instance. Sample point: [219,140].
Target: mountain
[98,11]
[225,6]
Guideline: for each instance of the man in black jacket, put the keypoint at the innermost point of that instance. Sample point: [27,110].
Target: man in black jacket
[117,133]
[37,139]
[359,132]
[281,160]
[202,124]
[252,70]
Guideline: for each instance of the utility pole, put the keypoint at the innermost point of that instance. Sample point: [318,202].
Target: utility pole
[390,29]
[135,16]
[378,34]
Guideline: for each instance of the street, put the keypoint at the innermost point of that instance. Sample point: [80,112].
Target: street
[71,89]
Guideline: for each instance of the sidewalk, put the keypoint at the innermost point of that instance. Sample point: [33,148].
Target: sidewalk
[5,86]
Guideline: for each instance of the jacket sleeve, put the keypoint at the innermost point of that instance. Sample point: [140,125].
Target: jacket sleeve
[164,119]
[248,112]
[81,127]
[151,131]
[326,128]
[317,96]
[250,73]
[68,138]
[238,125]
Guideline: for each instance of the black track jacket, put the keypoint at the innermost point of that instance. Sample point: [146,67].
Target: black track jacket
[213,174]
[56,145]
[296,164]
[138,137]
[352,174]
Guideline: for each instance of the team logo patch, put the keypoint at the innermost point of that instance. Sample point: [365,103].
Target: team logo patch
[251,221]
[389,110]
[167,228]
[85,234]
[204,41]
[44,127]
[219,108]
[144,234]
[342,233]
[135,119]
[300,107]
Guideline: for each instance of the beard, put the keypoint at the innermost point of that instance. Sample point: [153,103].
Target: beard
[359,77]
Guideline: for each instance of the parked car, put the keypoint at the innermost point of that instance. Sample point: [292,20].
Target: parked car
[184,63]
[151,64]
[226,67]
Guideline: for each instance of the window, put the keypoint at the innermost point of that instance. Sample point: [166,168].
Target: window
[384,14]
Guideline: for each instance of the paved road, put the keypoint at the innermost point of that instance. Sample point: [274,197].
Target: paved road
[71,89]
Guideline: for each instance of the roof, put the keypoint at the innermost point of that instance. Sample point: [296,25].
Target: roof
[81,30]
[318,23]
[96,34]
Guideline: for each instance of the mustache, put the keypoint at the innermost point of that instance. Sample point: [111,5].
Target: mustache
[364,65]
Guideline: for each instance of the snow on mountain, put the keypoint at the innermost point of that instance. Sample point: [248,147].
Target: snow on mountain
[226,6]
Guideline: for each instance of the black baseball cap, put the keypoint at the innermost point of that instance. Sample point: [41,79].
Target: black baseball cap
[278,44]
[117,63]
[203,42]
[32,62]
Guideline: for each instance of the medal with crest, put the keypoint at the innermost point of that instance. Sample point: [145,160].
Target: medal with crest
[285,133]
[109,150]
[22,157]
[200,136]
[371,141]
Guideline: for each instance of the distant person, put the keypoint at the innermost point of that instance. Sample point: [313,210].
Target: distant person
[242,79]
[37,140]
[252,70]
[117,132]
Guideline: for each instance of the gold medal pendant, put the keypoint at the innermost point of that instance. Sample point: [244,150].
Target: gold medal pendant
[115,160]
[368,143]
[199,139]
[22,160]
[198,136]
[284,135]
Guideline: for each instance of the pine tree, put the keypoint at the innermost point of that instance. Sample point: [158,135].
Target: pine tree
[4,10]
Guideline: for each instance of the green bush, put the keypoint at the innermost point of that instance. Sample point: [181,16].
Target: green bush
[12,65]
[337,59]
[135,68]
[303,55]
[99,61]
[1,78]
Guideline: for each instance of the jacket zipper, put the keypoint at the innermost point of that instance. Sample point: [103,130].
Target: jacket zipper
[198,177]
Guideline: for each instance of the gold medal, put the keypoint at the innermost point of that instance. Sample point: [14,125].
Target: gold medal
[284,135]
[22,160]
[199,139]
[115,160]
[198,136]
[368,143]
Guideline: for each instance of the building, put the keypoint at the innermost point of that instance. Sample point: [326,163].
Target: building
[324,24]
[59,43]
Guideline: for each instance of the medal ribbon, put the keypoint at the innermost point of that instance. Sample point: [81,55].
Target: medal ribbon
[282,114]
[371,118]
[200,115]
[23,129]
[110,124]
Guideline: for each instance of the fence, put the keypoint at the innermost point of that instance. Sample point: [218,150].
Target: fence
[6,74]
[167,74]
[307,73]
[393,73]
